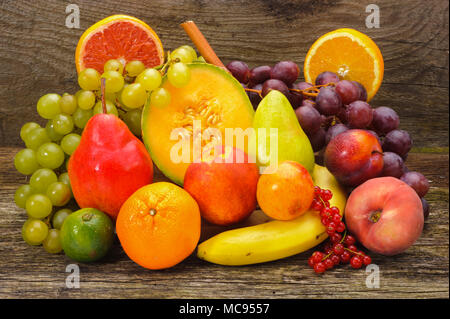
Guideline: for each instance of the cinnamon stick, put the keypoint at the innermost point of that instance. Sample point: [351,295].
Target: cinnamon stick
[202,44]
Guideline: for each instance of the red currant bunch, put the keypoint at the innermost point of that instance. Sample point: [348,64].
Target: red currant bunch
[341,248]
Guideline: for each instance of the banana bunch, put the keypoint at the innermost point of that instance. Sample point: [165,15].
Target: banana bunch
[273,239]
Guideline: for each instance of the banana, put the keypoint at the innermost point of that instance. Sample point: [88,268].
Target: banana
[274,239]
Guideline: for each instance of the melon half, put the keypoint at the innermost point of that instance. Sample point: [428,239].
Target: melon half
[213,98]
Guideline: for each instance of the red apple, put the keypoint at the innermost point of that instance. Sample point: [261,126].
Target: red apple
[354,157]
[224,188]
[385,214]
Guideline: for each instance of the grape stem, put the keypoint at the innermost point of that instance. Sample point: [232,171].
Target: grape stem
[102,87]
[305,92]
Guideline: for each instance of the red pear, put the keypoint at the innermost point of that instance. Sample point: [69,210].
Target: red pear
[109,165]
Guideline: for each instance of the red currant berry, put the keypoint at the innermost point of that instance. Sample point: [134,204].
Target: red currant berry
[352,248]
[327,204]
[349,240]
[335,238]
[340,227]
[319,268]
[367,260]
[311,262]
[326,194]
[335,210]
[335,259]
[328,263]
[317,257]
[336,219]
[325,221]
[317,190]
[345,257]
[356,262]
[338,249]
[316,205]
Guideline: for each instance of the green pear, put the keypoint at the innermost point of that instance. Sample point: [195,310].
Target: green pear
[278,135]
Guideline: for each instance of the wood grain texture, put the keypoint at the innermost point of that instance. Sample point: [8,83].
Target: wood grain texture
[37,50]
[420,272]
[36,57]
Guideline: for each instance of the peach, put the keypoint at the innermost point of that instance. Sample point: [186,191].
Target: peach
[385,214]
[287,193]
[354,157]
[224,188]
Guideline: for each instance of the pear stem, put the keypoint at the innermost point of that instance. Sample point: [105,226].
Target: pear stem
[102,87]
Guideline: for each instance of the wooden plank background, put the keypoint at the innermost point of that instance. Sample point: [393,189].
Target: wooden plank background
[37,57]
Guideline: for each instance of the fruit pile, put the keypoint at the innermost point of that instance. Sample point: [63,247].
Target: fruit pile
[138,106]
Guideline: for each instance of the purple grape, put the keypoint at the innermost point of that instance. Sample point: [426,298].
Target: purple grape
[274,84]
[359,114]
[308,102]
[254,97]
[362,91]
[309,119]
[335,130]
[393,165]
[295,98]
[286,71]
[348,91]
[385,120]
[302,85]
[327,77]
[328,101]
[425,207]
[397,141]
[259,74]
[417,181]
[317,139]
[239,70]
[342,115]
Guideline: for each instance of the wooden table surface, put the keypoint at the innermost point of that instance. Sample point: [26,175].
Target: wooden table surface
[36,57]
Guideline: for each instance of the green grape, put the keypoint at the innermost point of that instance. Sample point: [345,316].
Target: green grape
[160,97]
[134,95]
[48,106]
[41,179]
[108,95]
[114,81]
[134,68]
[52,243]
[68,104]
[59,193]
[25,161]
[113,65]
[38,206]
[21,195]
[86,100]
[27,128]
[70,143]
[36,137]
[150,79]
[110,108]
[133,120]
[191,51]
[81,117]
[78,93]
[200,59]
[179,74]
[34,231]
[64,178]
[89,79]
[63,124]
[181,55]
[59,217]
[50,155]
[54,137]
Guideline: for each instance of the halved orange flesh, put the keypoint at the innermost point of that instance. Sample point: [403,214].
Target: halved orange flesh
[349,53]
[120,37]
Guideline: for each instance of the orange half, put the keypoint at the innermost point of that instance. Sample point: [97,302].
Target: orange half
[120,37]
[349,53]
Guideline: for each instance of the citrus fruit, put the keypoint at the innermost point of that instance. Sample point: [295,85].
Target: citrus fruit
[86,235]
[118,37]
[349,53]
[159,225]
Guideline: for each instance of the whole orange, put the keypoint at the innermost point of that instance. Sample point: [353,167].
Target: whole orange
[159,225]
[287,193]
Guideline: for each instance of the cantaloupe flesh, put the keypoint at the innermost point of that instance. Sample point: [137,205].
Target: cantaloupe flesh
[209,88]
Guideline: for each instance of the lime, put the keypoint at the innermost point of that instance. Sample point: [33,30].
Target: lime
[87,235]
